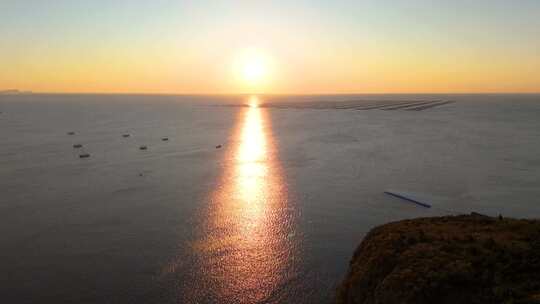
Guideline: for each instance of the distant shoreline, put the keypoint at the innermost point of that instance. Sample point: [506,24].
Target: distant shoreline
[15,92]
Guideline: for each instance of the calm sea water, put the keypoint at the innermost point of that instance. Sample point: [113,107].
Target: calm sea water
[272,216]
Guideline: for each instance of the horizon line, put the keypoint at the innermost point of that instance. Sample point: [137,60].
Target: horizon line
[29,92]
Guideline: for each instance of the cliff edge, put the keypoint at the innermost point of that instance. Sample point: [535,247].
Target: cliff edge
[452,259]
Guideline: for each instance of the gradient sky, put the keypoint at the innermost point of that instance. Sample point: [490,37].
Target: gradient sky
[310,46]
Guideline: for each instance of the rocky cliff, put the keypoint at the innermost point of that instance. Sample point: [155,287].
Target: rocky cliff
[454,259]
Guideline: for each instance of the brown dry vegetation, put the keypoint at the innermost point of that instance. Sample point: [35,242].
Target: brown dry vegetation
[453,259]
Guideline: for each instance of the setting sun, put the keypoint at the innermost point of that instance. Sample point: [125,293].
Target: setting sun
[254,71]
[252,67]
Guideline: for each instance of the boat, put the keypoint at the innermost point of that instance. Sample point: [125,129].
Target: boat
[407,198]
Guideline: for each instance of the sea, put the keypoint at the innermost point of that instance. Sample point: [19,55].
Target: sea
[239,198]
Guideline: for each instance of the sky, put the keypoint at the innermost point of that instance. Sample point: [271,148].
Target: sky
[275,47]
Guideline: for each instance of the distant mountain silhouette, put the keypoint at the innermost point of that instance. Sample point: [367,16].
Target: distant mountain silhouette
[14,92]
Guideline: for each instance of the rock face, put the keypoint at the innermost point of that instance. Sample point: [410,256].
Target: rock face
[454,259]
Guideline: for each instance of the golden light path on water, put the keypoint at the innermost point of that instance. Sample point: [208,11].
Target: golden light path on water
[246,250]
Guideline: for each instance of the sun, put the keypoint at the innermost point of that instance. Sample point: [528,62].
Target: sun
[252,67]
[254,70]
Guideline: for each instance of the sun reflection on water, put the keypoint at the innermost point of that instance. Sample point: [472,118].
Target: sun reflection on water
[251,161]
[245,253]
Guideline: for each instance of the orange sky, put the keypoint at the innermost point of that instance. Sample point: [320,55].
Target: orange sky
[303,48]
